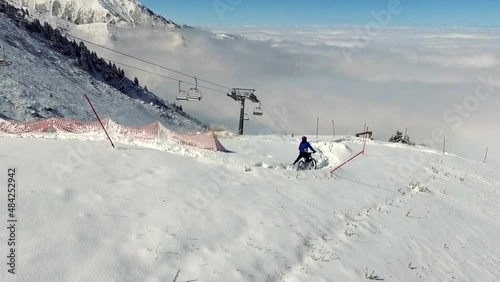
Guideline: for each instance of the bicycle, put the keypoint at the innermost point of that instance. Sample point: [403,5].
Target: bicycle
[303,164]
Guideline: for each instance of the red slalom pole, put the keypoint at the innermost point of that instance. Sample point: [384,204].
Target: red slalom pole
[364,140]
[346,162]
[99,119]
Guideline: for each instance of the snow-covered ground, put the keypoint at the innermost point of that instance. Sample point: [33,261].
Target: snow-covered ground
[88,212]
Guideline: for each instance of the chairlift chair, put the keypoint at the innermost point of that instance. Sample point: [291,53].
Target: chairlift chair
[258,110]
[182,95]
[194,94]
[246,117]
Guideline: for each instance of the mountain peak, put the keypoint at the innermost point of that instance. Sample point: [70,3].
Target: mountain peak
[126,12]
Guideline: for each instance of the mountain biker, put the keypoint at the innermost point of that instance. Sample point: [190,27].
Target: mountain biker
[304,147]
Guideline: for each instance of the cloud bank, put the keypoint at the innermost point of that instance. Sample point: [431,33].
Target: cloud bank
[422,79]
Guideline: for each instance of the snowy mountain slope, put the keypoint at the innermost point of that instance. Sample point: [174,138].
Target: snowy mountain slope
[225,36]
[124,12]
[92,213]
[44,83]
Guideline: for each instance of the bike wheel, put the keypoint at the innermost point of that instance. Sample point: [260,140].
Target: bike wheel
[310,165]
[301,165]
[313,164]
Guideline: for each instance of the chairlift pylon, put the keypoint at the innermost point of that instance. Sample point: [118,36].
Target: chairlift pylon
[258,110]
[182,95]
[3,60]
[194,94]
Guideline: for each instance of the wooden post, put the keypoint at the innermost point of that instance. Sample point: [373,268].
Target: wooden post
[444,145]
[485,155]
[333,124]
[317,128]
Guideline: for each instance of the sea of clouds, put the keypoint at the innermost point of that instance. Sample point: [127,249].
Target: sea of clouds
[434,82]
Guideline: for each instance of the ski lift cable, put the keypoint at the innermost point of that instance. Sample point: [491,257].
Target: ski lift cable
[181,81]
[161,75]
[178,72]
[271,116]
[263,127]
[188,83]
[145,61]
[163,67]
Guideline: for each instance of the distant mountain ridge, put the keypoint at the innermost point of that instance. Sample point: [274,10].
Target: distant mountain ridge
[125,12]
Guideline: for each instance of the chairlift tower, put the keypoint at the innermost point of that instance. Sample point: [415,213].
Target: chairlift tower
[241,94]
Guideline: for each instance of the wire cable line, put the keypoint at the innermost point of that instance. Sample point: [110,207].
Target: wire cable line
[161,75]
[147,62]
[271,116]
[263,127]
[171,78]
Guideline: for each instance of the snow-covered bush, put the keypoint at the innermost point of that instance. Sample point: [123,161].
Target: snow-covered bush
[221,131]
[399,138]
[218,128]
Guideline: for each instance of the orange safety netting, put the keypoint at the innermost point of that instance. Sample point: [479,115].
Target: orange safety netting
[76,127]
[151,132]
[24,127]
[206,141]
[146,132]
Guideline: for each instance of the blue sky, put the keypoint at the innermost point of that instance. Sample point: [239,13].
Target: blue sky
[465,13]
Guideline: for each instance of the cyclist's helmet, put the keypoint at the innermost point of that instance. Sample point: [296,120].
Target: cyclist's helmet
[304,138]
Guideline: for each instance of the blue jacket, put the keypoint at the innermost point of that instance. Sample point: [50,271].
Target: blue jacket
[304,145]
